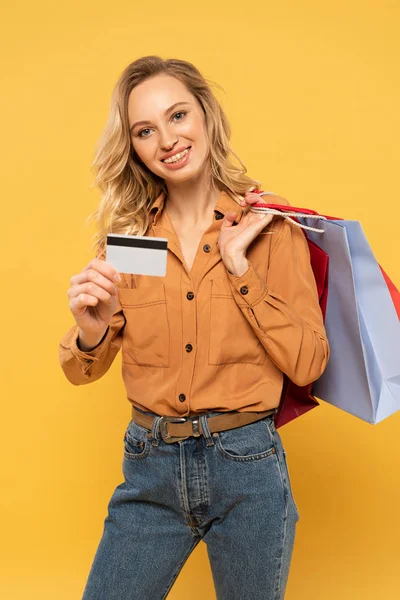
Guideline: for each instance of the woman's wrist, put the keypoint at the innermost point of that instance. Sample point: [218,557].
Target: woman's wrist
[236,266]
[87,343]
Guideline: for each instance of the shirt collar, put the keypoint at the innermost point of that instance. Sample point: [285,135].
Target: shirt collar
[224,204]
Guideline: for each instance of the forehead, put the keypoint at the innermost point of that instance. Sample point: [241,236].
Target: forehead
[155,95]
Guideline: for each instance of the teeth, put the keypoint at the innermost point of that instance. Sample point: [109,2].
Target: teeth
[176,157]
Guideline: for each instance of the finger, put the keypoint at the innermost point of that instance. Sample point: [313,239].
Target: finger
[229,218]
[88,293]
[83,300]
[93,283]
[251,198]
[91,274]
[263,219]
[103,267]
[259,220]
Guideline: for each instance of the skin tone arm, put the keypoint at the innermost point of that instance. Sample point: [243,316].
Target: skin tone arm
[87,342]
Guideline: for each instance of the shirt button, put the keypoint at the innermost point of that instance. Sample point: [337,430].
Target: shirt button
[207,248]
[190,295]
[219,216]
[182,397]
[189,347]
[243,289]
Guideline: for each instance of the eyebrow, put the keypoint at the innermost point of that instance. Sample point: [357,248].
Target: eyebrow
[165,114]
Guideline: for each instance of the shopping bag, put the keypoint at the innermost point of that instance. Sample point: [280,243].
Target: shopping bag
[362,376]
[296,400]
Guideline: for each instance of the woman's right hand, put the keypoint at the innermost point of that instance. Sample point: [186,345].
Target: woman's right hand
[93,297]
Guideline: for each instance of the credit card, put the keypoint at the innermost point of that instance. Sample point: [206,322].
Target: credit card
[137,254]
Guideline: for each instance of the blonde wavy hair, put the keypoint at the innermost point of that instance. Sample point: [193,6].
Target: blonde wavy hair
[128,187]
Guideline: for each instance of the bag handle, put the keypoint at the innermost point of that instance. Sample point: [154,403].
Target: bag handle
[289,211]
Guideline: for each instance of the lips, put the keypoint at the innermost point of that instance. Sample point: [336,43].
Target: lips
[170,155]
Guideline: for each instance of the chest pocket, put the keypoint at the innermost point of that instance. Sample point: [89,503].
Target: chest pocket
[146,338]
[232,338]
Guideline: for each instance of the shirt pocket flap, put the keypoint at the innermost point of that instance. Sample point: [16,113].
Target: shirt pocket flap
[146,294]
[221,287]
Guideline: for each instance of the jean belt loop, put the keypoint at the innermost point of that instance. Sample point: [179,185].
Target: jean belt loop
[155,429]
[206,430]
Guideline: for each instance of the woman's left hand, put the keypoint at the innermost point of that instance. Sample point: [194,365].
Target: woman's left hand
[234,241]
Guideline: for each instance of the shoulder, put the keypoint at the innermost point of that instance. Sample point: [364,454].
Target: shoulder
[287,231]
[272,198]
[279,223]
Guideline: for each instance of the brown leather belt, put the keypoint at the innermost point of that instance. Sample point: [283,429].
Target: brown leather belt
[180,428]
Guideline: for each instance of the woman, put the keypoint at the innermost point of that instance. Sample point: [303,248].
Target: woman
[204,348]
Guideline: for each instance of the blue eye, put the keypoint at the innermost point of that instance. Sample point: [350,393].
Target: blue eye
[181,112]
[140,132]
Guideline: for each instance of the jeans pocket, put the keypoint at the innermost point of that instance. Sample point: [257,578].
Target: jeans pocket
[246,443]
[136,441]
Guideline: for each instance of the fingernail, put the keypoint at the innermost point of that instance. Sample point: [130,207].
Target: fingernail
[117,277]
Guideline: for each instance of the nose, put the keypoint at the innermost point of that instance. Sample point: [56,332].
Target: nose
[167,140]
[168,145]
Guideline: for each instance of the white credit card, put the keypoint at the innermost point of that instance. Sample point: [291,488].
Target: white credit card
[137,254]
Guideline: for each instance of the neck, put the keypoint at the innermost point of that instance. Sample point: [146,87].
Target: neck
[191,203]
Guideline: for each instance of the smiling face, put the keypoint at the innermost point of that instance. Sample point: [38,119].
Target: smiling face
[164,127]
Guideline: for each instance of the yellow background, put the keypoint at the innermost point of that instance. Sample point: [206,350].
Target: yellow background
[312,93]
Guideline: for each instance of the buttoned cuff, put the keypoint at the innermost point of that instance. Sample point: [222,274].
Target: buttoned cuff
[70,341]
[249,287]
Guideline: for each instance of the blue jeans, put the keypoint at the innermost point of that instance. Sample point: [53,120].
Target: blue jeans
[230,489]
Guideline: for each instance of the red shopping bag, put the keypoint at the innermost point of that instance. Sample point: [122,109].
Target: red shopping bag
[296,400]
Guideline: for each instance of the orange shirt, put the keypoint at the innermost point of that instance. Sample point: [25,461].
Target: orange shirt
[208,340]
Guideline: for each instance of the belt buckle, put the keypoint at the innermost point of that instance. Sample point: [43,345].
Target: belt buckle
[163,429]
